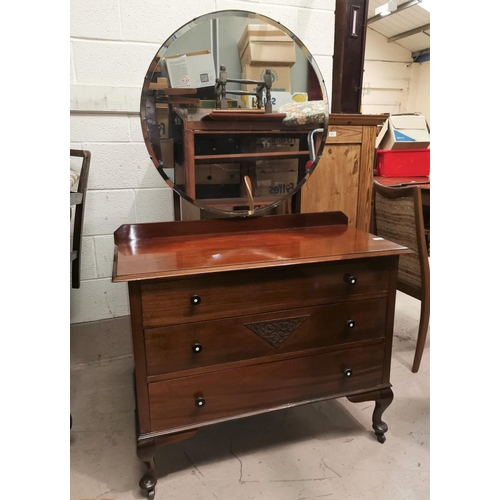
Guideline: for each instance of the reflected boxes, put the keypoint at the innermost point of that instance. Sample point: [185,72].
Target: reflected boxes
[262,45]
[214,180]
[280,75]
[280,91]
[276,144]
[266,47]
[276,177]
[191,70]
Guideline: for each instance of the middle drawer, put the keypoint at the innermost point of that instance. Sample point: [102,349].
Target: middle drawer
[195,345]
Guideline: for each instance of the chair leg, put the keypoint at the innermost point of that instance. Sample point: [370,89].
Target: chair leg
[422,331]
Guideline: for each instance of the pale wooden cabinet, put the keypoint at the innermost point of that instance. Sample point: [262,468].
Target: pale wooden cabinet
[343,178]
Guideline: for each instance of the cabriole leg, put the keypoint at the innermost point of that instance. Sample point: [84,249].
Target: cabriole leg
[379,426]
[145,451]
[383,398]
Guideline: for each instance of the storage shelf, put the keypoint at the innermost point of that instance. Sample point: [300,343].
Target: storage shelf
[231,158]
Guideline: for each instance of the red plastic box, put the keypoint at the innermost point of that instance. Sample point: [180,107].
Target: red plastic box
[403,162]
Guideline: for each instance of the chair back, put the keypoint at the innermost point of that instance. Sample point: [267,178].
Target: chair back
[398,217]
[76,262]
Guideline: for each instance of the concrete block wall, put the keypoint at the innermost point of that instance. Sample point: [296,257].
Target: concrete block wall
[111,45]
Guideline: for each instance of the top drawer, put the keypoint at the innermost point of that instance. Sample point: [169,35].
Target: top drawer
[260,290]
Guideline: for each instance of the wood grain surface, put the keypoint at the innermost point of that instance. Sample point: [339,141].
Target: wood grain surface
[251,292]
[170,349]
[233,392]
[163,250]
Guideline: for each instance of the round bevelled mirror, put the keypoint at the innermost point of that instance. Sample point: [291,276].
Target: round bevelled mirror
[233,113]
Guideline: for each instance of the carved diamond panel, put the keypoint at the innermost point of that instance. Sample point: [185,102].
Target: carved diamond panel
[275,331]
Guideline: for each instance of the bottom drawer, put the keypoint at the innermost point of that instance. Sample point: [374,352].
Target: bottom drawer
[191,400]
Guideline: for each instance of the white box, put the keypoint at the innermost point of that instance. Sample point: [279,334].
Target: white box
[405,131]
[191,71]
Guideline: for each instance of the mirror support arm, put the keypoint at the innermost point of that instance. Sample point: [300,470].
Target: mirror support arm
[266,84]
[310,142]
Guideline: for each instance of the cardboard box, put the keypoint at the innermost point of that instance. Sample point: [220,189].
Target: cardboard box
[192,70]
[280,74]
[404,132]
[271,183]
[276,144]
[218,173]
[276,177]
[277,98]
[280,91]
[265,44]
[282,165]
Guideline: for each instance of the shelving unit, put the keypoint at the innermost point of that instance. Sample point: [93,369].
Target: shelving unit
[196,124]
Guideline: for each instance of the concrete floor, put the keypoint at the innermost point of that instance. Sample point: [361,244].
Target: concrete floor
[324,450]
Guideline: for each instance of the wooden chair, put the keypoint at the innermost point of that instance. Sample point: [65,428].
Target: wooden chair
[78,199]
[398,217]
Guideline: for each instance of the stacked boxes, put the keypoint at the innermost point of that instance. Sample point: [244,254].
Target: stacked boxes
[276,177]
[402,147]
[264,47]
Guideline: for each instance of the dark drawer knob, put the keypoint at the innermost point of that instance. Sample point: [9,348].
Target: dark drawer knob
[200,402]
[351,280]
[195,300]
[350,324]
[197,348]
[348,373]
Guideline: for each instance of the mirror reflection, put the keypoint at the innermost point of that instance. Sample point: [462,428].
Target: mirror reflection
[232,111]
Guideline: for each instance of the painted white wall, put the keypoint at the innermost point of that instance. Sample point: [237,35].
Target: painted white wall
[419,97]
[112,43]
[392,82]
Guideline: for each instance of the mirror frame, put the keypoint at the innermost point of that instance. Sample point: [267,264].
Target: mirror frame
[144,94]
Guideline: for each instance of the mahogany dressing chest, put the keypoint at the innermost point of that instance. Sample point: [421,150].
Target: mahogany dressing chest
[236,317]
[249,313]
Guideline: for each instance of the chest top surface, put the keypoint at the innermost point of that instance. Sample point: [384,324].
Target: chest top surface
[176,249]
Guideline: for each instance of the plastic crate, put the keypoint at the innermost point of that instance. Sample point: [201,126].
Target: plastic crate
[403,162]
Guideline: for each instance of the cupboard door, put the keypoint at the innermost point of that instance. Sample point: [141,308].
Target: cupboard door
[334,182]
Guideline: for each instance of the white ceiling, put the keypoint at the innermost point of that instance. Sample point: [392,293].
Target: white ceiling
[402,21]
